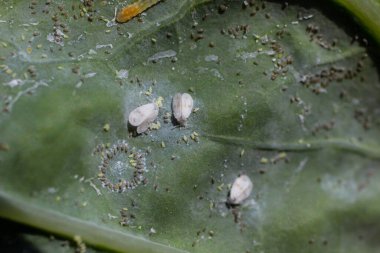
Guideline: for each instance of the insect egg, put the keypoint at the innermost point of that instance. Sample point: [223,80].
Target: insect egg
[142,116]
[182,107]
[240,190]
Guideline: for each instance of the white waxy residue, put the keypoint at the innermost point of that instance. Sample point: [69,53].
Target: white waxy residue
[217,74]
[162,55]
[89,75]
[251,55]
[14,83]
[211,58]
[104,46]
[56,37]
[344,187]
[111,23]
[122,74]
[92,52]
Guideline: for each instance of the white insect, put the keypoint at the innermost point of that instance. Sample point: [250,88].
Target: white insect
[142,116]
[182,107]
[240,190]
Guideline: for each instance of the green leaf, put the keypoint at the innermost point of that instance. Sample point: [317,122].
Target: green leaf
[283,95]
[366,12]
[16,238]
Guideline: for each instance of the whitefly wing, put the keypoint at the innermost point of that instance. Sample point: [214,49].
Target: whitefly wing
[147,112]
[241,189]
[186,105]
[143,127]
[154,113]
[176,104]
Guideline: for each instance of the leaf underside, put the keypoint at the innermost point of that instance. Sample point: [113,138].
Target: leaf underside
[283,95]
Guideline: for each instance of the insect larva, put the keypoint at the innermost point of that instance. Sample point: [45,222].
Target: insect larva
[240,190]
[142,116]
[132,10]
[182,107]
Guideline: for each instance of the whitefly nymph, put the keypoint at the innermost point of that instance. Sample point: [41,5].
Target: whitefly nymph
[182,107]
[240,190]
[143,116]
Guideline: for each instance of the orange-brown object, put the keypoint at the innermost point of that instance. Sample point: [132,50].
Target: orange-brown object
[128,13]
[132,10]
